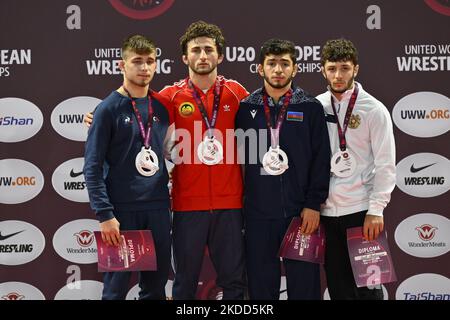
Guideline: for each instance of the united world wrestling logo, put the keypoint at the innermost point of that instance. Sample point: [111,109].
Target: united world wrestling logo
[141,9]
[84,238]
[426,232]
[440,6]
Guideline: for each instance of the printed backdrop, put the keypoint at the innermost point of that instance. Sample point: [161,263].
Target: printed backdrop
[58,59]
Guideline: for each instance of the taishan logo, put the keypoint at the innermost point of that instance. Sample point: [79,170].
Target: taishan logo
[19,119]
[84,238]
[426,232]
[141,9]
[440,6]
[12,121]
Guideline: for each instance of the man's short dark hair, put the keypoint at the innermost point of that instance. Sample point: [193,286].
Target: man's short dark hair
[138,44]
[339,50]
[202,29]
[277,47]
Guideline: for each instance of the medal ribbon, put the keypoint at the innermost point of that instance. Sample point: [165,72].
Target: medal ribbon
[146,136]
[342,131]
[275,131]
[209,124]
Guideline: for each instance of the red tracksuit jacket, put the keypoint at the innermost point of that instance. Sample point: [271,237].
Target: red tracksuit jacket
[197,186]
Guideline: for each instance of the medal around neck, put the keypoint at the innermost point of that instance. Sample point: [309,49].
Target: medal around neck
[147,163]
[275,161]
[343,164]
[210,151]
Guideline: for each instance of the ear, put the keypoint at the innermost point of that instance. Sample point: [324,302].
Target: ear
[294,72]
[355,73]
[260,70]
[322,69]
[185,59]
[220,59]
[122,65]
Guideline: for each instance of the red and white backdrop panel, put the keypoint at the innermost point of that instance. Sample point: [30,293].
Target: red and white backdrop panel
[58,59]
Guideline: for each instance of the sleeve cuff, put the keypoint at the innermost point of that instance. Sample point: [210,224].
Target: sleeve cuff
[311,205]
[375,212]
[103,216]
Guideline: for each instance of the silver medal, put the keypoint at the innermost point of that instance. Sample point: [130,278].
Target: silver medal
[147,163]
[210,151]
[343,164]
[275,161]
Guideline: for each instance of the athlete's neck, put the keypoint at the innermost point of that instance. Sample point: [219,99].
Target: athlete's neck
[134,90]
[203,81]
[276,93]
[337,95]
[340,95]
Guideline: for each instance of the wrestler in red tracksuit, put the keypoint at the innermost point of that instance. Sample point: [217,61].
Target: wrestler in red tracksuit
[207,199]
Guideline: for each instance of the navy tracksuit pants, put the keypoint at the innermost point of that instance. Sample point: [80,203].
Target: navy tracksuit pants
[263,238]
[221,231]
[151,283]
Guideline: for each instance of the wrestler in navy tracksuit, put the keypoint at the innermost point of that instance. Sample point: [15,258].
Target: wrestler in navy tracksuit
[270,201]
[116,189]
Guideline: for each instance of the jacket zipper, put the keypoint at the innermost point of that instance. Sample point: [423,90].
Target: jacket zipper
[205,99]
[210,190]
[282,198]
[277,110]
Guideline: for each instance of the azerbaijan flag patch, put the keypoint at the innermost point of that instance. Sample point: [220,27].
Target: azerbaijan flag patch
[294,116]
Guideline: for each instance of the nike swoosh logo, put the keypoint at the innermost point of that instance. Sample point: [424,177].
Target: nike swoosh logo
[414,170]
[75,174]
[9,235]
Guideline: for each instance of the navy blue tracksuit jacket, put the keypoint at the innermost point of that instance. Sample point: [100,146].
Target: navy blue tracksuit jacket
[304,138]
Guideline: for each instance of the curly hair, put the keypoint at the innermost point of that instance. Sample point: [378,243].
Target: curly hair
[339,50]
[277,47]
[202,29]
[138,44]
